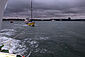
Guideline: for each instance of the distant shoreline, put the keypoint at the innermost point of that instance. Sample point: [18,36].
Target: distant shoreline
[45,19]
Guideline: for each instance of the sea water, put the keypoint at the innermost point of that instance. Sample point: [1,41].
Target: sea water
[46,39]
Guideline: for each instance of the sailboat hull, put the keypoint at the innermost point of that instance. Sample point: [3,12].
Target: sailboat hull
[31,24]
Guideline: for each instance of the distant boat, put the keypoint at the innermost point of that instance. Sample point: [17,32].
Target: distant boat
[53,20]
[28,21]
[11,21]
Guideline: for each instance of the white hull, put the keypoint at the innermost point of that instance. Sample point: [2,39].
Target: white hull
[2,7]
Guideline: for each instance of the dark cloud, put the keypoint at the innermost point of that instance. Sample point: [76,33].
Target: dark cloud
[46,8]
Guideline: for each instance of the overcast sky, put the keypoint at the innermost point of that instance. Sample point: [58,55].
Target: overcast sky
[47,8]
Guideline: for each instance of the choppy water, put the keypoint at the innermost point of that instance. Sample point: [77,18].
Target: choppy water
[46,39]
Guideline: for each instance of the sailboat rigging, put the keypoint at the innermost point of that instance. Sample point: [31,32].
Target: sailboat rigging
[31,9]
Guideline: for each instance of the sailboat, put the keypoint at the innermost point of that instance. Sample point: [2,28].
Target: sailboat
[28,21]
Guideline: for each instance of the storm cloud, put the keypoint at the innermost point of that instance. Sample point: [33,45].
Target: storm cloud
[46,8]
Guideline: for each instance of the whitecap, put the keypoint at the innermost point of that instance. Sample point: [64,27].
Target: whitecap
[12,45]
[7,30]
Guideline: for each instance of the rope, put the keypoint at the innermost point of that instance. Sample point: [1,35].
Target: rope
[29,54]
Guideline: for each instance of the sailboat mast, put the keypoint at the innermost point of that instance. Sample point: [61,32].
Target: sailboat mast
[31,10]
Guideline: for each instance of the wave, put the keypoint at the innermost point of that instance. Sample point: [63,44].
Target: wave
[13,45]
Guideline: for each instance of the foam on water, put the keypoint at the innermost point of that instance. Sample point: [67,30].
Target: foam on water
[24,25]
[32,43]
[43,38]
[13,45]
[7,32]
